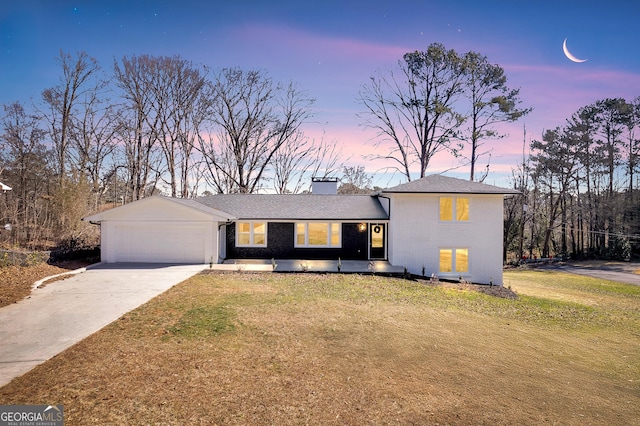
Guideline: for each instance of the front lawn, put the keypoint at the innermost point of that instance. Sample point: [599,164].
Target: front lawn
[245,348]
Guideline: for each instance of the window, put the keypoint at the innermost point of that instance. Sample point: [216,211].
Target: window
[449,205]
[251,234]
[454,260]
[317,234]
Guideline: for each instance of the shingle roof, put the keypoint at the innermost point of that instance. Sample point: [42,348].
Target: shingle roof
[200,206]
[108,214]
[447,185]
[297,206]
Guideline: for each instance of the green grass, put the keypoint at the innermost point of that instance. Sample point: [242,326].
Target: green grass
[580,301]
[211,313]
[206,316]
[359,289]
[205,321]
[581,283]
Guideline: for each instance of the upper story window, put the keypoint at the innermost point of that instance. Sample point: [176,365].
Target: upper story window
[454,209]
[251,234]
[317,234]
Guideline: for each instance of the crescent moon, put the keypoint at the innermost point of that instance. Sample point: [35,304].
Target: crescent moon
[568,54]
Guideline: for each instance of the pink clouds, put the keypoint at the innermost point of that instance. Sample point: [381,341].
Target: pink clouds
[309,45]
[333,69]
[556,92]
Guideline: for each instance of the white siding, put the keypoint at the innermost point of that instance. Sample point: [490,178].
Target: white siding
[416,235]
[157,230]
[159,242]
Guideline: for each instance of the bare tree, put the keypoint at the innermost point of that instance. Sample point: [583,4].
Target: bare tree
[138,131]
[355,180]
[491,102]
[413,112]
[300,159]
[219,169]
[26,168]
[251,118]
[95,139]
[62,99]
[175,86]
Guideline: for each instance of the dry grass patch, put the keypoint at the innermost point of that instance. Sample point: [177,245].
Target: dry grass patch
[16,281]
[347,349]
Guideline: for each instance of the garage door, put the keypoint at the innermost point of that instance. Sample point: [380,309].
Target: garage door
[160,243]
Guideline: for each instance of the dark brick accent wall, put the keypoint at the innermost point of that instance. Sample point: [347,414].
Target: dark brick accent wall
[280,244]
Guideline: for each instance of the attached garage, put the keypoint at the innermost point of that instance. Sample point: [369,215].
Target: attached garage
[160,230]
[160,242]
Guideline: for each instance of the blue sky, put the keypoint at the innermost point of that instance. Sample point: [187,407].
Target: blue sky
[330,48]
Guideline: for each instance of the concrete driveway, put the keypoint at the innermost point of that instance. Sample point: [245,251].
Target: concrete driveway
[623,272]
[64,312]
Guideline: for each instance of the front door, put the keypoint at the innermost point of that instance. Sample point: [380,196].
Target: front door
[377,238]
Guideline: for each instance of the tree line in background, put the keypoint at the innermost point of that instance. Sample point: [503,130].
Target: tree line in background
[166,125]
[580,188]
[155,125]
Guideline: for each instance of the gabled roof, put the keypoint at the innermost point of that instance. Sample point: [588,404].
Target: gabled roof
[202,207]
[192,204]
[297,206]
[447,185]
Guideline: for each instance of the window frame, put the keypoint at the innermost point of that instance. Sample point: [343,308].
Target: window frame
[330,234]
[251,233]
[454,209]
[454,260]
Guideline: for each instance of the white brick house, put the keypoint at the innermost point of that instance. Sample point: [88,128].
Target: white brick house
[440,225]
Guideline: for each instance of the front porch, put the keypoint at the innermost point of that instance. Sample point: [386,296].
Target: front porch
[302,265]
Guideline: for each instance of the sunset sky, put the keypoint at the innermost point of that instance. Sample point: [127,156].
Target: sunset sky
[331,48]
